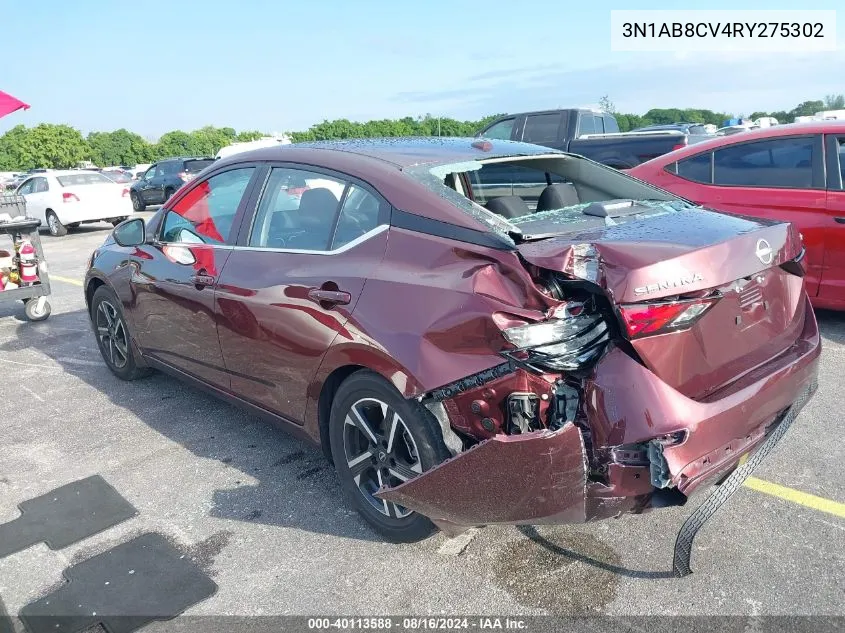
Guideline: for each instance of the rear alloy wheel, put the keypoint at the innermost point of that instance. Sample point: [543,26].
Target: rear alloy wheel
[380,439]
[54,225]
[137,203]
[113,336]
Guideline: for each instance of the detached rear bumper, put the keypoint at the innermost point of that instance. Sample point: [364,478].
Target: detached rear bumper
[542,477]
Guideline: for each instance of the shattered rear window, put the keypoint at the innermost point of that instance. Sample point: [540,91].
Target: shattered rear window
[433,178]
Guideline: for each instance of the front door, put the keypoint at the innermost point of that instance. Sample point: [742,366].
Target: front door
[35,203]
[173,311]
[289,287]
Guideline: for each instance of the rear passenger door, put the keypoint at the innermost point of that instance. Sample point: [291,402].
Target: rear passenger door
[832,291]
[292,281]
[782,179]
[543,129]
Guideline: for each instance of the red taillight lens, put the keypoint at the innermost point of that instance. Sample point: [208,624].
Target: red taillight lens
[642,319]
[69,197]
[125,192]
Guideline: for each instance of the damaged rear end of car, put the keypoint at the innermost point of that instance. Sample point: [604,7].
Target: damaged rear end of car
[662,343]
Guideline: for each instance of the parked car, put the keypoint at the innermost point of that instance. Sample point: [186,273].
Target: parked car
[162,179]
[788,173]
[611,352]
[118,175]
[588,133]
[64,199]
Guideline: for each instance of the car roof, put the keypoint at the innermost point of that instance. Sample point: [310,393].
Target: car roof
[402,152]
[789,129]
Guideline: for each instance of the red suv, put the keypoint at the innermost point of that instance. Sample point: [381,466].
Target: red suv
[790,173]
[460,357]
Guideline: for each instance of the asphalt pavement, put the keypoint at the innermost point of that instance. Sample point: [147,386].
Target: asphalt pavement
[263,515]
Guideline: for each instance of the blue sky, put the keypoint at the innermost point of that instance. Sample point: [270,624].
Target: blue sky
[284,65]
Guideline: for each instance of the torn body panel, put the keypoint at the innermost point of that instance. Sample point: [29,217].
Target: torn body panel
[633,443]
[533,478]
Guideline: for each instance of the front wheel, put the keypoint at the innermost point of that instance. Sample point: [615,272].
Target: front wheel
[113,336]
[54,225]
[378,438]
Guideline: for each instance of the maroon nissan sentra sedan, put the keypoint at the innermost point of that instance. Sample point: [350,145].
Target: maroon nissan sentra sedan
[474,331]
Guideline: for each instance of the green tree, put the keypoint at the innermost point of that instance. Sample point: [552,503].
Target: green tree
[120,147]
[46,145]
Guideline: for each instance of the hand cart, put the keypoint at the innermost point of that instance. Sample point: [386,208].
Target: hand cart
[35,295]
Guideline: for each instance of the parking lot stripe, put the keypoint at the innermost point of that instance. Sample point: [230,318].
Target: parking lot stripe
[66,280]
[796,496]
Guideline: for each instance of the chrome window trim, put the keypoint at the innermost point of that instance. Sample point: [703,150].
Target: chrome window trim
[337,251]
[381,228]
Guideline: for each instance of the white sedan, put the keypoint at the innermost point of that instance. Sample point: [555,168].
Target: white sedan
[66,199]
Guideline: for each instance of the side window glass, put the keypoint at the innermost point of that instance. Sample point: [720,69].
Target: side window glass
[841,142]
[610,124]
[207,212]
[782,162]
[359,214]
[541,128]
[41,185]
[26,187]
[491,181]
[501,130]
[297,210]
[587,125]
[150,173]
[696,168]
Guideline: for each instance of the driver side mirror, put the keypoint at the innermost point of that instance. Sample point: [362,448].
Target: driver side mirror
[130,232]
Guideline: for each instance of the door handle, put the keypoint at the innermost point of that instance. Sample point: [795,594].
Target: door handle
[329,298]
[839,220]
[202,280]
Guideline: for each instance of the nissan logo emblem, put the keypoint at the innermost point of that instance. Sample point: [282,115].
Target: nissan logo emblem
[764,252]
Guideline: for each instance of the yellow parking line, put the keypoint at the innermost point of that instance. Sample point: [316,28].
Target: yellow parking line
[67,280]
[796,496]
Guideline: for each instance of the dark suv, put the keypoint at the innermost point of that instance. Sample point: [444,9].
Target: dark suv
[163,178]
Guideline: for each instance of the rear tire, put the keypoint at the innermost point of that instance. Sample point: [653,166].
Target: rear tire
[137,203]
[113,337]
[376,450]
[54,225]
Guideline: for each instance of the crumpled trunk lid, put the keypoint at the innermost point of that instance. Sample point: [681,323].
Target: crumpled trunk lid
[665,254]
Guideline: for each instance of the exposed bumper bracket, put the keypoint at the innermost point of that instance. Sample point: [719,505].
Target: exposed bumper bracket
[683,543]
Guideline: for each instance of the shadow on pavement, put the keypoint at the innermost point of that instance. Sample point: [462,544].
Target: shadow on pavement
[831,325]
[294,486]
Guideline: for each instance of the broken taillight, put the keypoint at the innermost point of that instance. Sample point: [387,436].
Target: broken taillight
[643,319]
[568,342]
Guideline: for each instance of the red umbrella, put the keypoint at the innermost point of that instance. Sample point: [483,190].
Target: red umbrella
[9,104]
